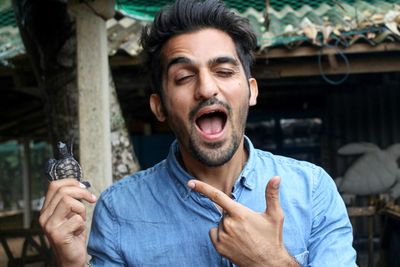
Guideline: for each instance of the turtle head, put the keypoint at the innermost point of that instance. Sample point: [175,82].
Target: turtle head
[62,150]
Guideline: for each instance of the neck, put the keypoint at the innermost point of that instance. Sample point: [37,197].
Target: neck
[221,177]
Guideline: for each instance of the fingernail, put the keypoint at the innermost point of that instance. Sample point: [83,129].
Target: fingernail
[276,184]
[94,197]
[82,185]
[191,184]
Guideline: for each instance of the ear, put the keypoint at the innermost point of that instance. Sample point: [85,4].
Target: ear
[253,91]
[157,107]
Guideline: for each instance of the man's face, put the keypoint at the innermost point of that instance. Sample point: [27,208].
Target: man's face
[206,95]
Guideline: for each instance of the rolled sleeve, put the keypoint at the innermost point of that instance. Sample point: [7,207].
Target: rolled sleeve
[104,237]
[331,238]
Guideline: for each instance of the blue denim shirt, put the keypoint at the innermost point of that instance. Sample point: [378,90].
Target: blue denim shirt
[152,218]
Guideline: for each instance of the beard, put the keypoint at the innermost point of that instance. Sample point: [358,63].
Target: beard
[214,155]
[211,154]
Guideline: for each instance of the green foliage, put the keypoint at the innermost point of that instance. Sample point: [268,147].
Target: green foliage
[41,152]
[11,172]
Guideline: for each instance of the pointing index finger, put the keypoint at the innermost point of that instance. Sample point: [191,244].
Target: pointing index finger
[215,195]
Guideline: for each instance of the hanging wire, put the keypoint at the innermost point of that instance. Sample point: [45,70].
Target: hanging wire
[342,55]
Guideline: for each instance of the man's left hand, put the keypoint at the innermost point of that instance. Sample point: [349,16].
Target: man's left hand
[245,237]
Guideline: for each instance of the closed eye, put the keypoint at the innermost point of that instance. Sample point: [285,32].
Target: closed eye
[225,73]
[183,79]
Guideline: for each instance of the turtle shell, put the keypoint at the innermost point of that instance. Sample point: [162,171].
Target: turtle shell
[67,168]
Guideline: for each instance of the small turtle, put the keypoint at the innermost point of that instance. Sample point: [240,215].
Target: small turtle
[65,167]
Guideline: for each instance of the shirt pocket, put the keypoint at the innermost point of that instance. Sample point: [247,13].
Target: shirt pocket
[302,258]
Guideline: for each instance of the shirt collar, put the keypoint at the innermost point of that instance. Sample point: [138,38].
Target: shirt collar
[178,174]
[246,178]
[181,177]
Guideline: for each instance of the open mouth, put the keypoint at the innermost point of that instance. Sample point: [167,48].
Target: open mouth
[212,122]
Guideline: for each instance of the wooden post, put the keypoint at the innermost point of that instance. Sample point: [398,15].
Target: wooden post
[267,15]
[26,182]
[93,86]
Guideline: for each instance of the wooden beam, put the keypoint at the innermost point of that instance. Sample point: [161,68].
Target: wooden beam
[5,71]
[21,120]
[118,61]
[29,90]
[282,52]
[309,67]
[282,62]
[361,211]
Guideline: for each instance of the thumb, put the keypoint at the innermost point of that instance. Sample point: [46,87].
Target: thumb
[213,233]
[272,196]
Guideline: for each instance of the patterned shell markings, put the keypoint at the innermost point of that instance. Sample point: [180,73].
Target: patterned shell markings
[376,171]
[65,167]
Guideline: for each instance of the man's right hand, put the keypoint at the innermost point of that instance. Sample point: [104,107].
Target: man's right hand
[63,220]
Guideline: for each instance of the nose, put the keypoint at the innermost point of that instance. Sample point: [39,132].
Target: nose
[206,86]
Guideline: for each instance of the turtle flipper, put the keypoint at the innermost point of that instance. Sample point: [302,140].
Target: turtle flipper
[49,169]
[86,183]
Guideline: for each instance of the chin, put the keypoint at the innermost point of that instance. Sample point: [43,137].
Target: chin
[215,155]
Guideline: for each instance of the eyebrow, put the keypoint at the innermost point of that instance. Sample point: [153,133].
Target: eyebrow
[177,60]
[223,60]
[211,62]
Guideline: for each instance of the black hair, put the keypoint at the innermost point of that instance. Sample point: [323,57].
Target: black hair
[185,16]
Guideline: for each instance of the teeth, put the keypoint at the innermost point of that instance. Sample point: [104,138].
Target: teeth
[211,112]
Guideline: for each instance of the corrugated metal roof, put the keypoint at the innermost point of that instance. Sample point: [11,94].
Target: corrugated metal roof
[290,23]
[296,23]
[10,40]
[372,21]
[146,9]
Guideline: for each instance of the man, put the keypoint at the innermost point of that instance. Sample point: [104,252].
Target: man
[215,200]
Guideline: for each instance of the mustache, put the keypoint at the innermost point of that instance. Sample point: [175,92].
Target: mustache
[209,102]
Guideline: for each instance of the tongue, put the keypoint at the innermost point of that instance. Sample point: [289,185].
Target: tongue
[210,125]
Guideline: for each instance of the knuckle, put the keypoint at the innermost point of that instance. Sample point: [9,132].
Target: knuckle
[240,217]
[41,211]
[66,202]
[215,195]
[227,223]
[48,230]
[273,197]
[76,218]
[53,186]
[74,181]
[222,237]
[42,221]
[219,247]
[63,190]
[80,208]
